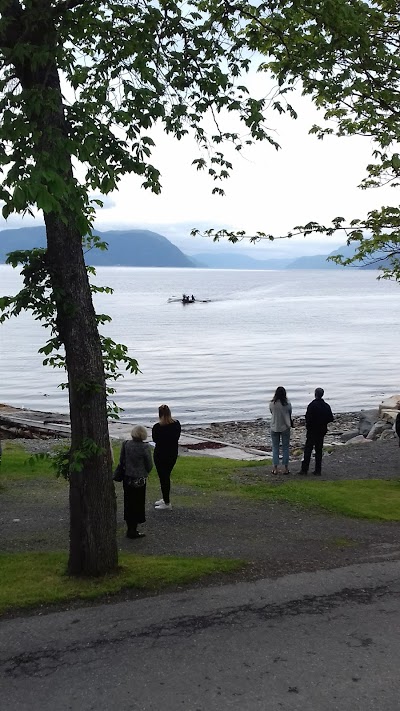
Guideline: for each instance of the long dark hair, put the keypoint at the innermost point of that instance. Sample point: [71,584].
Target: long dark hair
[280,394]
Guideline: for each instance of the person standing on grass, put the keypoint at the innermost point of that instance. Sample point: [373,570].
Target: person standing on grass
[166,433]
[135,464]
[318,416]
[281,422]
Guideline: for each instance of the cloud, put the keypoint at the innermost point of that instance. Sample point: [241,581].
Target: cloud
[108,202]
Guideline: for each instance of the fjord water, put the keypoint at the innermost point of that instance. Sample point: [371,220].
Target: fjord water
[223,360]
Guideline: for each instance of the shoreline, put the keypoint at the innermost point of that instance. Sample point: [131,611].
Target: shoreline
[128,419]
[253,434]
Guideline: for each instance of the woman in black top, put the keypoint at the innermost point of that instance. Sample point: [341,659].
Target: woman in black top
[166,433]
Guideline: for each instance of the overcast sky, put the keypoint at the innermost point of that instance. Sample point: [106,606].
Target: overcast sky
[269,190]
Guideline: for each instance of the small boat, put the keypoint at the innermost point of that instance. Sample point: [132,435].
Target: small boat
[187,300]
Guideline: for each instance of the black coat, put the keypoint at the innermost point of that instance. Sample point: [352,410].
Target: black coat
[318,415]
[166,437]
[397,426]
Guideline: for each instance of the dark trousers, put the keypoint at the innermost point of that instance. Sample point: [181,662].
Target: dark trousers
[134,506]
[164,466]
[313,440]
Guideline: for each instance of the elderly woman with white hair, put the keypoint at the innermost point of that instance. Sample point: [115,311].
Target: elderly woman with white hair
[135,464]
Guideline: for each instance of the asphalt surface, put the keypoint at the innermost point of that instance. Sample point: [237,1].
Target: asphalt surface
[309,641]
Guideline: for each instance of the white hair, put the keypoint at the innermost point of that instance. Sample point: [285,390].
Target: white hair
[139,432]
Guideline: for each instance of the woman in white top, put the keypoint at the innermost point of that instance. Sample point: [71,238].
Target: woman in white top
[281,422]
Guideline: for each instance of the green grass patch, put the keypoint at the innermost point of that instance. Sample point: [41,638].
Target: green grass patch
[207,473]
[31,579]
[371,499]
[18,464]
[375,499]
[211,473]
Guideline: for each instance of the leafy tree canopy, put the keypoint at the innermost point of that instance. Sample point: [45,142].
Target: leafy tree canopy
[126,65]
[345,56]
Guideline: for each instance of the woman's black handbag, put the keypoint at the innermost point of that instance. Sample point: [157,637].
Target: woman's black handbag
[120,468]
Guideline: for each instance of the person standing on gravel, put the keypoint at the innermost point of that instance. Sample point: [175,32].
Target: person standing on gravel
[135,464]
[165,433]
[281,422]
[318,416]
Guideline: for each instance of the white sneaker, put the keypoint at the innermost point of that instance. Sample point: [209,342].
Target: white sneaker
[163,505]
[159,502]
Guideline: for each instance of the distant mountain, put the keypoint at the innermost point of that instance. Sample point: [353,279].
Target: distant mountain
[128,248]
[143,248]
[137,248]
[319,261]
[24,238]
[228,260]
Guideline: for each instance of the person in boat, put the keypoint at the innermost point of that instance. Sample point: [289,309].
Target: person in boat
[185,299]
[192,299]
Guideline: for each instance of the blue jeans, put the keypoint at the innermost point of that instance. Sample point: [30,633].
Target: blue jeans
[275,438]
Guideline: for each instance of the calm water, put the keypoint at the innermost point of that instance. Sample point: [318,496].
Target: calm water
[222,360]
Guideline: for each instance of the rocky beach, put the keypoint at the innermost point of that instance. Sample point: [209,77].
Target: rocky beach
[254,434]
[348,429]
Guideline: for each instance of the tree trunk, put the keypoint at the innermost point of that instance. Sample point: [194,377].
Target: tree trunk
[93,548]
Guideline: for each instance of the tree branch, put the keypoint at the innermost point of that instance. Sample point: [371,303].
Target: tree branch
[64,5]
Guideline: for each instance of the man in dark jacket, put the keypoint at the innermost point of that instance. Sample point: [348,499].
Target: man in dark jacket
[318,415]
[397,426]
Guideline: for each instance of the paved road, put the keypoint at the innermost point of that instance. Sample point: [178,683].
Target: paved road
[306,642]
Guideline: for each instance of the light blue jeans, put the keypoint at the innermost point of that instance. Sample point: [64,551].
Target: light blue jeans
[275,438]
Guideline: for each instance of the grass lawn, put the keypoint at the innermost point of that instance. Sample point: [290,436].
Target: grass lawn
[372,499]
[17,464]
[29,579]
[375,499]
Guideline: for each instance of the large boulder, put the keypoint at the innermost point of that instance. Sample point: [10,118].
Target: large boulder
[389,415]
[377,429]
[349,435]
[367,420]
[387,434]
[391,403]
[360,439]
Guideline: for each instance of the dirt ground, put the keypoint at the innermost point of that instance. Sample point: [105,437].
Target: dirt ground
[273,537]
